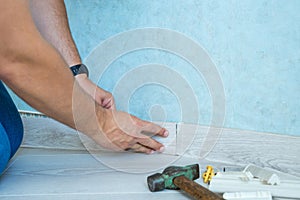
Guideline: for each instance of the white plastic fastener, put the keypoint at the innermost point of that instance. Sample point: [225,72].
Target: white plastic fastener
[264,175]
[259,195]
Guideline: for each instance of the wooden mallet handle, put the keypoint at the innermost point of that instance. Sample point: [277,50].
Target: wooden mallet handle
[194,189]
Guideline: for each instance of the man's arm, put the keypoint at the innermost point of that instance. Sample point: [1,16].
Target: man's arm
[51,20]
[35,71]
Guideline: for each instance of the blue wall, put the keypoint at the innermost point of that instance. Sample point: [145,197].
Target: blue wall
[255,45]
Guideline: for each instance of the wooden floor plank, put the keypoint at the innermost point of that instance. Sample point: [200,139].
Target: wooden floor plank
[54,163]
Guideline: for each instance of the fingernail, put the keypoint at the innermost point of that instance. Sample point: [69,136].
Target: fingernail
[161,149]
[166,133]
[151,152]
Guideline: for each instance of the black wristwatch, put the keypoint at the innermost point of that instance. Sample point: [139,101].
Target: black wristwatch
[79,69]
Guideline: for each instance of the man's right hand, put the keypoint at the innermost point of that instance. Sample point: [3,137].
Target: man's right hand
[123,132]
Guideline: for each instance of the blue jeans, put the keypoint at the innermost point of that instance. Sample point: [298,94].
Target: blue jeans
[11,128]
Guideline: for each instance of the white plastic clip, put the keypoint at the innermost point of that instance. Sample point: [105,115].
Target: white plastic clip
[259,195]
[264,175]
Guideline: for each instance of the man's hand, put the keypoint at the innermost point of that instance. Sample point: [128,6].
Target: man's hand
[123,132]
[112,129]
[102,97]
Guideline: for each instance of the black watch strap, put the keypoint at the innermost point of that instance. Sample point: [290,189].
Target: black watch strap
[79,69]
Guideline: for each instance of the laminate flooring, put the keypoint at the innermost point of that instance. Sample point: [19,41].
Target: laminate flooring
[55,162]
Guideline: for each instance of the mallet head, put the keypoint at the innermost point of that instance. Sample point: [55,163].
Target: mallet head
[164,180]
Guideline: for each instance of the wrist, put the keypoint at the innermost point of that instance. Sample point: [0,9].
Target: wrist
[81,77]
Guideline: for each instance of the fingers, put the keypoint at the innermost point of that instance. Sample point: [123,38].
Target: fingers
[151,129]
[108,103]
[142,145]
[140,149]
[151,144]
[137,143]
[105,99]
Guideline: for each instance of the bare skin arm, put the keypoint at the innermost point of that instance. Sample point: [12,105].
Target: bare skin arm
[35,71]
[51,20]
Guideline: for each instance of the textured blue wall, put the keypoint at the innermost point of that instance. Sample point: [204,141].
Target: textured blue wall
[255,45]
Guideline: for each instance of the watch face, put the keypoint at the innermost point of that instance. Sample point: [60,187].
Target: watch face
[79,69]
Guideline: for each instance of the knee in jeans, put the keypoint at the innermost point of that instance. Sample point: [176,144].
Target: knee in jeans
[5,150]
[18,135]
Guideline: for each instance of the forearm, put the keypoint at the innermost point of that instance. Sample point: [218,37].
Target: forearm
[50,88]
[51,20]
[34,70]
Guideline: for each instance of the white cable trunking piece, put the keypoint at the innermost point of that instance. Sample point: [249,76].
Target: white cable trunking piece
[237,182]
